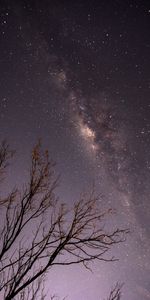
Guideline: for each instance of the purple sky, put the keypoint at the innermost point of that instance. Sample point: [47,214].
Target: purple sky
[76,75]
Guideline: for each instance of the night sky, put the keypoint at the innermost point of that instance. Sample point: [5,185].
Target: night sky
[76,75]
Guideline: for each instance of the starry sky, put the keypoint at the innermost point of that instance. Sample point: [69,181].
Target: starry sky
[76,75]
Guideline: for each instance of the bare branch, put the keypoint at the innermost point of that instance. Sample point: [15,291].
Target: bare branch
[58,236]
[115,293]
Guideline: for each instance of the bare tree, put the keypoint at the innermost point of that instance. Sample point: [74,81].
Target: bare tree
[115,293]
[39,231]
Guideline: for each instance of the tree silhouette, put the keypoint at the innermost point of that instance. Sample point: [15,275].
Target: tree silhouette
[40,232]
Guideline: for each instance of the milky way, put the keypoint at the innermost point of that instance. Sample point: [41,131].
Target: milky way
[76,76]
